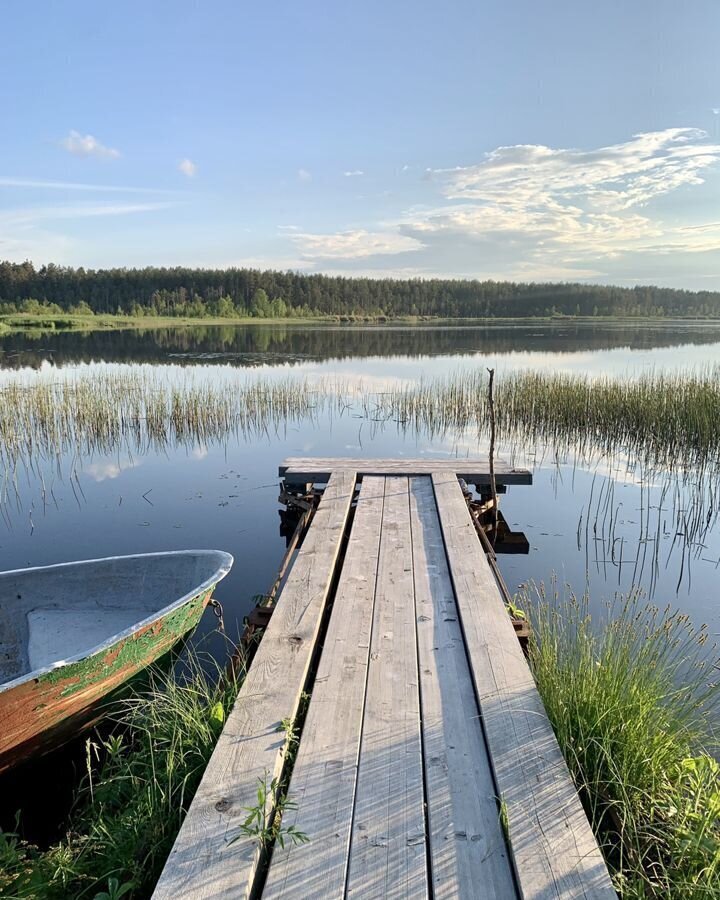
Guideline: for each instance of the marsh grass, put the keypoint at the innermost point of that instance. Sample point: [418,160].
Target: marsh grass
[632,697]
[669,420]
[138,785]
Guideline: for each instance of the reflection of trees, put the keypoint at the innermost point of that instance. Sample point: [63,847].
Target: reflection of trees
[259,344]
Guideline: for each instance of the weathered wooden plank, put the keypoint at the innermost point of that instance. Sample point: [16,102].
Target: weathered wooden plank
[325,771]
[203,864]
[468,853]
[388,841]
[554,851]
[475,471]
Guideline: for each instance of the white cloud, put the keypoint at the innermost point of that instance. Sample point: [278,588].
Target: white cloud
[187,167]
[353,173]
[20,243]
[11,182]
[354,244]
[289,227]
[87,145]
[34,214]
[104,471]
[304,175]
[611,178]
[531,212]
[557,211]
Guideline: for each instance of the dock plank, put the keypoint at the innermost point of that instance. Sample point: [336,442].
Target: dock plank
[203,864]
[554,851]
[388,841]
[467,844]
[324,776]
[475,471]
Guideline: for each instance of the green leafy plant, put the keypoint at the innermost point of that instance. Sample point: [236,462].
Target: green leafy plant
[114,890]
[515,611]
[138,785]
[263,821]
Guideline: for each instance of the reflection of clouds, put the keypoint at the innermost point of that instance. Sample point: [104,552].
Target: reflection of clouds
[109,470]
[621,467]
[199,452]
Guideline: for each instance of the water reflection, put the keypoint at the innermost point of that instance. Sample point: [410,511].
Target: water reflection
[260,345]
[599,519]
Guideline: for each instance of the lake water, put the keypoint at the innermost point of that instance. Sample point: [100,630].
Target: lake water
[595,520]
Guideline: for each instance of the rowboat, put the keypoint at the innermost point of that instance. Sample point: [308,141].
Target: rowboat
[72,633]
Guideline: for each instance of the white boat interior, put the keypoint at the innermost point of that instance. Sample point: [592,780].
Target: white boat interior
[54,613]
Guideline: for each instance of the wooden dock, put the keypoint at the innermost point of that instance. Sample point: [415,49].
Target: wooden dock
[426,766]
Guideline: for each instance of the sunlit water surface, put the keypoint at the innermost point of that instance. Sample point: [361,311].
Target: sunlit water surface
[605,523]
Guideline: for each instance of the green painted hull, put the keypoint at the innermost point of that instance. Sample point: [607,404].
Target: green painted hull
[48,707]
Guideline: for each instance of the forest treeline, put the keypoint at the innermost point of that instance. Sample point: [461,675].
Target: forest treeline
[268,294]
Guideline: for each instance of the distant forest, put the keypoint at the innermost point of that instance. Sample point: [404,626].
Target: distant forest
[249,292]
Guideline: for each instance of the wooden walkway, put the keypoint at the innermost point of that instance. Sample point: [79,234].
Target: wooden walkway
[426,766]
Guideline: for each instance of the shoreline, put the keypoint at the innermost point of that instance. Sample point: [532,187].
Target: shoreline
[21,322]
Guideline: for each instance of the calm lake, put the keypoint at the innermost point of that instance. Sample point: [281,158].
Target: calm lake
[589,519]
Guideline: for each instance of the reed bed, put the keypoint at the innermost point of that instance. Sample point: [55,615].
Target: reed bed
[663,418]
[666,420]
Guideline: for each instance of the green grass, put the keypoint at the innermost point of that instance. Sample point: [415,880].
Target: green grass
[49,321]
[132,801]
[662,418]
[633,701]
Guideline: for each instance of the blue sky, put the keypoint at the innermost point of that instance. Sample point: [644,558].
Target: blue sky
[524,140]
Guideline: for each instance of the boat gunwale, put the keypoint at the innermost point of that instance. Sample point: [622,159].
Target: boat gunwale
[208,583]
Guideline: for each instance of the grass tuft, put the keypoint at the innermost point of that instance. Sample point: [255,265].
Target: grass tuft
[632,699]
[136,791]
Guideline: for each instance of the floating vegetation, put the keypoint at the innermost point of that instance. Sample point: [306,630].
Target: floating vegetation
[633,700]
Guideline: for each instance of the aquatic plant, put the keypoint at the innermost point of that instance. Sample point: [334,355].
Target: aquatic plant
[662,419]
[633,699]
[139,783]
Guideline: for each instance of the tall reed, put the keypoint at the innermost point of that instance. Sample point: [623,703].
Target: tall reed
[634,701]
[663,419]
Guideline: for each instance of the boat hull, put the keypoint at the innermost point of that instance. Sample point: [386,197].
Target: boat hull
[45,711]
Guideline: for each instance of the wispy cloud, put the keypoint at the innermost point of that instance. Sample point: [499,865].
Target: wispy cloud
[187,167]
[571,202]
[532,212]
[304,175]
[87,145]
[24,234]
[609,179]
[354,173]
[33,214]
[353,244]
[12,182]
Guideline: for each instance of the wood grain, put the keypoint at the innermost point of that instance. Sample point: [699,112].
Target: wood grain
[467,844]
[388,842]
[203,862]
[475,471]
[554,851]
[325,771]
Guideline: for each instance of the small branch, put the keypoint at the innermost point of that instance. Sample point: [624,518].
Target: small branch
[493,488]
